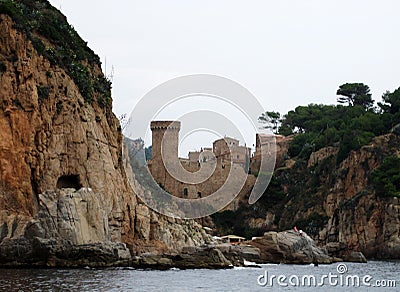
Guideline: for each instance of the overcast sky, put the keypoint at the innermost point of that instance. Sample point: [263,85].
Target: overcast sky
[287,53]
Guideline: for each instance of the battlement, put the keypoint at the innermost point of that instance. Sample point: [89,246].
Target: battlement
[165,125]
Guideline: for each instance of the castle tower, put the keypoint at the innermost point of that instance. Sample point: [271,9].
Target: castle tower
[165,140]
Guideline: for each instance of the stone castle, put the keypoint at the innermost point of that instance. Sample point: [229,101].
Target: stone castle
[226,157]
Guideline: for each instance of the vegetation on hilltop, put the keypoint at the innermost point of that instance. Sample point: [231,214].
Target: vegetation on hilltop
[56,40]
[296,194]
[347,126]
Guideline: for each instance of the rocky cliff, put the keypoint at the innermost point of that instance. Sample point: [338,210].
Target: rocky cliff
[64,196]
[359,218]
[338,205]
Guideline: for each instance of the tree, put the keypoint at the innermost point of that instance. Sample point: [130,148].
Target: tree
[390,109]
[355,94]
[295,120]
[271,119]
[390,102]
[313,117]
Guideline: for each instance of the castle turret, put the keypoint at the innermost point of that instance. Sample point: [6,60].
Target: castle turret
[165,140]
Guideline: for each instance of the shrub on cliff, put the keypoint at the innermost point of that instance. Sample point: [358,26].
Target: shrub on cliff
[40,21]
[386,178]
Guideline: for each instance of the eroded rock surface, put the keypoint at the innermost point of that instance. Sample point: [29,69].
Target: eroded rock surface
[290,248]
[64,196]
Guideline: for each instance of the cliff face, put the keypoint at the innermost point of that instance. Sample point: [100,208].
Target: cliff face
[359,219]
[337,204]
[62,182]
[47,134]
[54,136]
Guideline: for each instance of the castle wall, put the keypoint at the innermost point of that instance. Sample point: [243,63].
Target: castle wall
[275,149]
[194,156]
[165,139]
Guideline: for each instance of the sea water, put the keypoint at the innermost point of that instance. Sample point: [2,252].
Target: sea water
[333,277]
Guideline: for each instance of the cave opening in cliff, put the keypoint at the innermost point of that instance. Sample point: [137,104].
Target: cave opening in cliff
[71,181]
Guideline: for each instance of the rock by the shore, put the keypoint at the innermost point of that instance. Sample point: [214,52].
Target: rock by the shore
[41,252]
[206,257]
[202,257]
[355,257]
[236,254]
[289,247]
[212,256]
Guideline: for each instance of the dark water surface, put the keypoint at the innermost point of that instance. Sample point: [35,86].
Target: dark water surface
[238,279]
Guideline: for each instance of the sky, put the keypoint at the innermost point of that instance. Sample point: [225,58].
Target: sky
[286,52]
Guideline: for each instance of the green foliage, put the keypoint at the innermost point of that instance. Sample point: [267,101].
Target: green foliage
[271,120]
[236,222]
[273,196]
[314,117]
[352,140]
[390,102]
[348,127]
[103,87]
[386,178]
[302,144]
[225,221]
[355,94]
[390,107]
[285,130]
[14,10]
[38,45]
[39,20]
[83,80]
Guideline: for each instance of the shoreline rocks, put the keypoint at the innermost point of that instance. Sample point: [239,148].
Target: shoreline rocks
[49,253]
[355,257]
[290,248]
[286,247]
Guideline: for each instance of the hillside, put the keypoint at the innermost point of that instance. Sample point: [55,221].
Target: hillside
[64,196]
[338,179]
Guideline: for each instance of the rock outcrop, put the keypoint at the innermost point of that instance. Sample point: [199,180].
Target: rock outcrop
[206,257]
[290,248]
[211,256]
[355,257]
[359,219]
[64,196]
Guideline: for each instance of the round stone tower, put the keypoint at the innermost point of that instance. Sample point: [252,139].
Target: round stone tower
[165,140]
